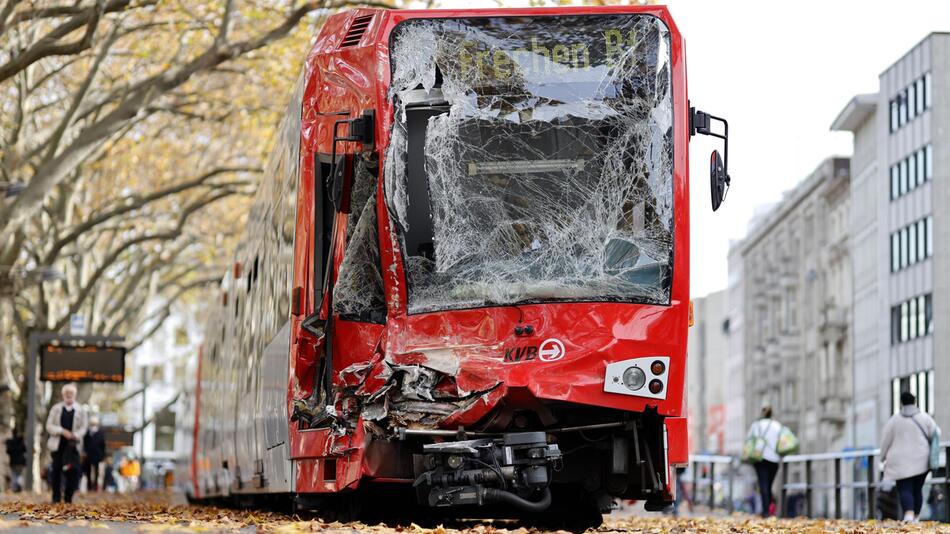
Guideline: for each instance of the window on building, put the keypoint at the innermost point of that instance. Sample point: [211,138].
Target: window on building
[930,236]
[921,239]
[905,257]
[927,91]
[912,244]
[893,121]
[929,313]
[930,392]
[902,101]
[912,171]
[912,318]
[912,100]
[895,325]
[905,184]
[920,385]
[904,325]
[895,182]
[895,253]
[919,160]
[165,430]
[929,162]
[895,395]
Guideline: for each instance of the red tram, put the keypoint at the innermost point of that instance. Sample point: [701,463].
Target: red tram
[465,274]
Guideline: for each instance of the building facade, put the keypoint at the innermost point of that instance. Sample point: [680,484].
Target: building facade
[900,221]
[707,375]
[792,276]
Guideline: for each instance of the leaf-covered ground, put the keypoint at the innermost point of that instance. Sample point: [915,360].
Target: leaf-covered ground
[147,513]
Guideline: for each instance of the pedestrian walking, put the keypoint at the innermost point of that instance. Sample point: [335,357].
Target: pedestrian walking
[94,447]
[766,442]
[16,452]
[906,452]
[66,425]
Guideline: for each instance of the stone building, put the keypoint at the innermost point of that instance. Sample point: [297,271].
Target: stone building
[792,276]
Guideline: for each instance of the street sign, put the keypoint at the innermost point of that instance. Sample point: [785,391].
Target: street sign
[82,363]
[77,324]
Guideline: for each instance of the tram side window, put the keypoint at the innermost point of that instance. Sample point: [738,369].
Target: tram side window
[323,222]
[358,293]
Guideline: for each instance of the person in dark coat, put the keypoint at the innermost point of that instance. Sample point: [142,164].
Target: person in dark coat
[16,450]
[94,447]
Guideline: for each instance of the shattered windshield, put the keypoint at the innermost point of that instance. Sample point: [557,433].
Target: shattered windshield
[531,160]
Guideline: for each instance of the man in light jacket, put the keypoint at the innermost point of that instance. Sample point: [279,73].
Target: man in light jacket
[905,451]
[66,425]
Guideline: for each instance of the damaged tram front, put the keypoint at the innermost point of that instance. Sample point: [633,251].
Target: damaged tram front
[489,301]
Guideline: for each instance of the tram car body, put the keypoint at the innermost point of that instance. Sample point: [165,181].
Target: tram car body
[465,273]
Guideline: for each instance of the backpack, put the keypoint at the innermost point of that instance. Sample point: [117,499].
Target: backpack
[934,441]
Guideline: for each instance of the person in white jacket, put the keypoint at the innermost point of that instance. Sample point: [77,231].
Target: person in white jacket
[905,451]
[66,425]
[765,470]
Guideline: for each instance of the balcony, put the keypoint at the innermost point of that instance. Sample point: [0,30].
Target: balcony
[833,323]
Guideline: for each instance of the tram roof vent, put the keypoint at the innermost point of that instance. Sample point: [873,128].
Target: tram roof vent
[355,33]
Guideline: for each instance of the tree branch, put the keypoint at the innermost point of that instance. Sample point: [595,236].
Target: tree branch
[136,202]
[49,44]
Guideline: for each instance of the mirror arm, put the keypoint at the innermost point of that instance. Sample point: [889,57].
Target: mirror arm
[699,123]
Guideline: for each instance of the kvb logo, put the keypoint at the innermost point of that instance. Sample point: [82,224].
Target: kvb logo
[550,350]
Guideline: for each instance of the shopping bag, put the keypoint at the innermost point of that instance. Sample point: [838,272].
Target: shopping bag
[753,449]
[935,450]
[787,442]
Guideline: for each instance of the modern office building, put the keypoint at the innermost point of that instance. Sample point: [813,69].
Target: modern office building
[900,199]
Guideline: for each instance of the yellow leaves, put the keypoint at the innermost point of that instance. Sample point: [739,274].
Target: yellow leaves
[149,512]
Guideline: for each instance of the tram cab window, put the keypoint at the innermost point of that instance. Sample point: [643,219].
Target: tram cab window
[358,292]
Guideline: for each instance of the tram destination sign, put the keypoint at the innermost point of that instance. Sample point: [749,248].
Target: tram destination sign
[82,363]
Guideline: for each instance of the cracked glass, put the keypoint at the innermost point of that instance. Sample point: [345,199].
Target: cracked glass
[531,160]
[358,294]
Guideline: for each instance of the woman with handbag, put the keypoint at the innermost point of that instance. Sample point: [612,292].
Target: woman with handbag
[909,438]
[765,444]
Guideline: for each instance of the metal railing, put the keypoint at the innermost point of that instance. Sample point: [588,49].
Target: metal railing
[718,475]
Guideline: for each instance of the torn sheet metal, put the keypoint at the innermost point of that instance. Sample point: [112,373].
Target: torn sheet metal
[545,172]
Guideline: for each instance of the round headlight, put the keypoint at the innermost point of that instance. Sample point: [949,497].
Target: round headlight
[634,378]
[657,367]
[656,386]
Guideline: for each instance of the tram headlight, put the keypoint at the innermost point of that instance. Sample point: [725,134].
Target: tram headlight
[634,378]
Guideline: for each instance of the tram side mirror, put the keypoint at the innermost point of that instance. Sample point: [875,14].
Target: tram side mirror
[700,122]
[718,180]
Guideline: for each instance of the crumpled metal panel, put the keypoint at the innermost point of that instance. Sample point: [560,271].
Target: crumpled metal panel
[550,169]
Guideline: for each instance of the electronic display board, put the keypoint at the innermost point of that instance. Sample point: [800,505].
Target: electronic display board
[89,363]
